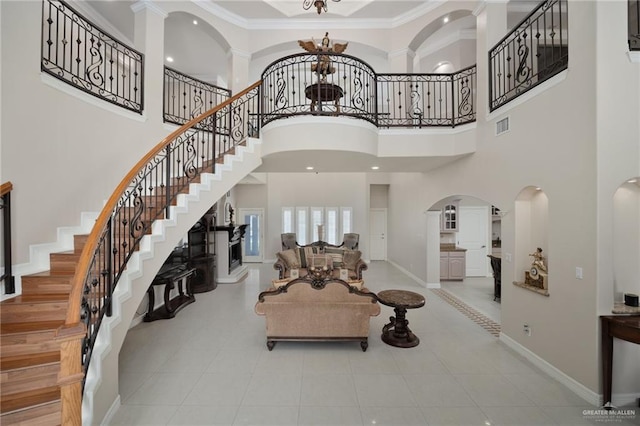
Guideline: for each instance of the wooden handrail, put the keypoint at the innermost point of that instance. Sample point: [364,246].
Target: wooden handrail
[5,188]
[73,331]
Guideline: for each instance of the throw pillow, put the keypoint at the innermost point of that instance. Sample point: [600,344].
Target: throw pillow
[290,258]
[336,256]
[319,261]
[304,253]
[351,258]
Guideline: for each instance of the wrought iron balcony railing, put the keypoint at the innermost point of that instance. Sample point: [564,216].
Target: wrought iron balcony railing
[291,87]
[186,97]
[76,51]
[534,51]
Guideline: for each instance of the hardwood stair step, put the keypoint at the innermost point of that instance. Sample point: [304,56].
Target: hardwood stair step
[21,400]
[28,338]
[22,361]
[29,378]
[63,263]
[79,242]
[46,283]
[47,414]
[35,307]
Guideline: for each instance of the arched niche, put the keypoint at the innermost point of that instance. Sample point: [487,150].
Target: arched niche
[531,212]
[626,239]
[198,49]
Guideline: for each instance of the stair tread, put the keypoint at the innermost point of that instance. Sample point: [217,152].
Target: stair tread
[48,273]
[29,398]
[29,327]
[47,413]
[37,298]
[22,361]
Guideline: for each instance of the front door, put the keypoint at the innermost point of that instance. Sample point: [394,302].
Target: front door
[378,234]
[473,231]
[253,237]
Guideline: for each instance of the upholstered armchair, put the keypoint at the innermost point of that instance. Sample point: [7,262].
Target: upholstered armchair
[288,240]
[351,241]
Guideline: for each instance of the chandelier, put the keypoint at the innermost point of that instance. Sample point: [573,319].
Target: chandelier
[319,4]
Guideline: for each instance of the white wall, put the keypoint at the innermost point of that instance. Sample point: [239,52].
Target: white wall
[54,145]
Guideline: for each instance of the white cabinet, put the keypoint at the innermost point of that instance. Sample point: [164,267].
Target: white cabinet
[450,217]
[452,265]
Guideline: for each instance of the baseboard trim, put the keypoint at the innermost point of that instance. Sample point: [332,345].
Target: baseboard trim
[415,278]
[112,411]
[578,388]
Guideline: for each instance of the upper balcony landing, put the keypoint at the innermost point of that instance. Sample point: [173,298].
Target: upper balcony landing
[344,144]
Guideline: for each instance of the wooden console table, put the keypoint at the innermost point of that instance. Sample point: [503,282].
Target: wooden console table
[170,276]
[624,327]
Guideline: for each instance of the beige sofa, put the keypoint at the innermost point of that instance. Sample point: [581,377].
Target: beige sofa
[317,309]
[320,254]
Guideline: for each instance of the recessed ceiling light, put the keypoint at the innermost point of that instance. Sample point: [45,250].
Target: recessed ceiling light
[445,19]
[375,167]
[309,168]
[169,59]
[195,22]
[538,188]
[632,181]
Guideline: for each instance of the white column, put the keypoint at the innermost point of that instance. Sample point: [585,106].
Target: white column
[238,71]
[149,39]
[401,61]
[491,26]
[433,249]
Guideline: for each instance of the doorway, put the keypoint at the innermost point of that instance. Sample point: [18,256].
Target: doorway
[378,234]
[473,236]
[252,247]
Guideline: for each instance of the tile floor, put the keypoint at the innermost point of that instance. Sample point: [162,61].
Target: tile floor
[210,366]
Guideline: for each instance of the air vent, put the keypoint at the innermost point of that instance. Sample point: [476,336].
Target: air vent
[502,126]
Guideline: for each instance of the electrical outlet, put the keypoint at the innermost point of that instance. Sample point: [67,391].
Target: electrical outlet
[527,329]
[578,272]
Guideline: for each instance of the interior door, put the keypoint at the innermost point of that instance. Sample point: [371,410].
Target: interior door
[253,237]
[472,235]
[378,234]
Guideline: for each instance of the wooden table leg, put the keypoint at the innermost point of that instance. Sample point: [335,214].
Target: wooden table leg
[607,361]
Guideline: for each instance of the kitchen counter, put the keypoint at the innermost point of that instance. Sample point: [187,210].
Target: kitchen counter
[450,247]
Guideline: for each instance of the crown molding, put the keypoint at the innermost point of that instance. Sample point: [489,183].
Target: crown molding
[320,23]
[150,5]
[238,53]
[402,52]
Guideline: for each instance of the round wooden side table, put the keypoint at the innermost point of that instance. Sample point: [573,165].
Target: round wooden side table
[397,332]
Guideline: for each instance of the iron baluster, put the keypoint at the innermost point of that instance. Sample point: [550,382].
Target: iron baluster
[7,277]
[167,182]
[109,265]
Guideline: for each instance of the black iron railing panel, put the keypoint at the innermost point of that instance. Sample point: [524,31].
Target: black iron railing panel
[534,51]
[190,151]
[186,97]
[634,24]
[77,52]
[294,86]
[5,207]
[426,100]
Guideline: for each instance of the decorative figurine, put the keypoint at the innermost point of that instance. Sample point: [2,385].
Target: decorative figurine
[538,265]
[323,66]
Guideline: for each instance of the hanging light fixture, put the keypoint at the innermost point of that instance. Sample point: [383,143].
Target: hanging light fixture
[319,4]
